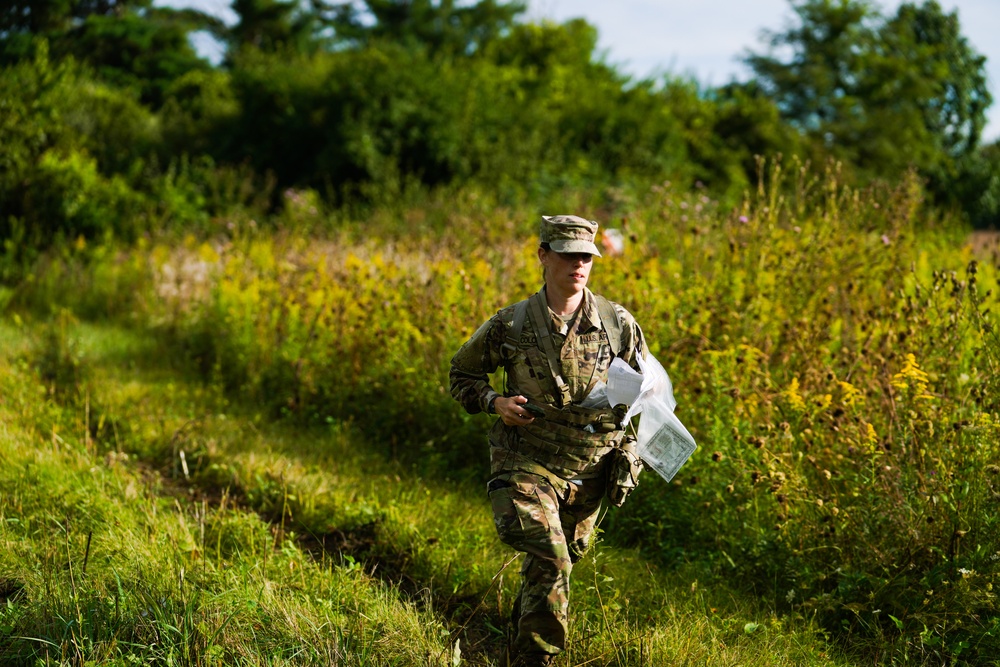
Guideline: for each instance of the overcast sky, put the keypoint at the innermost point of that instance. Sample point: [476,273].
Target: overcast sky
[705,38]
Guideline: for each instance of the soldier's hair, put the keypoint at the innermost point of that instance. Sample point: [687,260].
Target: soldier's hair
[544,245]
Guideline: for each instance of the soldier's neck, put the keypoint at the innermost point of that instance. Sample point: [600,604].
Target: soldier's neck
[563,303]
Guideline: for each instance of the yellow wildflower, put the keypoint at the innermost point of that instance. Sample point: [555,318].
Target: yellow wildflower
[852,394]
[912,377]
[794,397]
[871,438]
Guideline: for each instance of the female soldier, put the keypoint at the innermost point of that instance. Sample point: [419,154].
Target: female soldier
[557,449]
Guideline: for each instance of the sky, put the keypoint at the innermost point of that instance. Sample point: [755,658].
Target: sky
[706,38]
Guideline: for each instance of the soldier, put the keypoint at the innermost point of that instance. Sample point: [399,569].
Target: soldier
[556,451]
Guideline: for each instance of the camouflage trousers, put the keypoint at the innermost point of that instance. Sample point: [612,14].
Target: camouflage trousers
[553,528]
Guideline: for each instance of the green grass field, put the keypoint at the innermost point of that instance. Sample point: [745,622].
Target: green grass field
[241,449]
[151,520]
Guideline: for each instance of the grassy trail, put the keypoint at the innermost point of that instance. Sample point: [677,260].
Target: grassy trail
[146,517]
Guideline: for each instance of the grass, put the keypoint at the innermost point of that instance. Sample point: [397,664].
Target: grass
[273,544]
[835,358]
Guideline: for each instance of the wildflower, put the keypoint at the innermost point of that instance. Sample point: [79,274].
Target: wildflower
[911,376]
[852,394]
[795,399]
[871,438]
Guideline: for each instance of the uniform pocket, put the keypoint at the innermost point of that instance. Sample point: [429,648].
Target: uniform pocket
[519,512]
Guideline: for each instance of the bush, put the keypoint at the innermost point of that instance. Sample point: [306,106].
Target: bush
[68,198]
[832,351]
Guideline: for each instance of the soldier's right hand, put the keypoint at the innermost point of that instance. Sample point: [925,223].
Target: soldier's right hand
[511,412]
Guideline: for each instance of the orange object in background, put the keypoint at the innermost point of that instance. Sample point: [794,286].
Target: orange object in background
[612,242]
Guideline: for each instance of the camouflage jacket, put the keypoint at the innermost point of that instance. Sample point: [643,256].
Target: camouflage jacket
[585,355]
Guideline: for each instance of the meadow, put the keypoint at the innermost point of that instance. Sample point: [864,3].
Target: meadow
[238,447]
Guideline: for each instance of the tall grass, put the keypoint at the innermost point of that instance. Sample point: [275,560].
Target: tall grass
[195,532]
[832,350]
[101,562]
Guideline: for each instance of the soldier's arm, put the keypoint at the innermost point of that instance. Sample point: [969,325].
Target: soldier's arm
[633,342]
[472,364]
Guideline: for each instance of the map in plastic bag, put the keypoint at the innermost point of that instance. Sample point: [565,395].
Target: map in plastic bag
[662,441]
[669,446]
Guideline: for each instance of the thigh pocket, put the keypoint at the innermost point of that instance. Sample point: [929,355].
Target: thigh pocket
[518,512]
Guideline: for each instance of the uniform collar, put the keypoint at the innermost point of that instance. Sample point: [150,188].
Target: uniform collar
[589,319]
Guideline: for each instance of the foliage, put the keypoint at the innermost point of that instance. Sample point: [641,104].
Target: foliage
[144,53]
[312,96]
[272,26]
[56,140]
[100,564]
[836,362]
[978,186]
[440,26]
[129,43]
[883,94]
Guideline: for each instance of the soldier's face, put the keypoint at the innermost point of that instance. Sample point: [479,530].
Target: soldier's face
[567,271]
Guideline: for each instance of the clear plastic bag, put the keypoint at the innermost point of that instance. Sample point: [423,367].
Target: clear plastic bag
[664,444]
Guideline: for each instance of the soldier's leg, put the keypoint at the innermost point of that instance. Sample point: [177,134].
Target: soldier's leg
[526,513]
[579,512]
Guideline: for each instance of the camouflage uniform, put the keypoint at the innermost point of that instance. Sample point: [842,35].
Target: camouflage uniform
[548,476]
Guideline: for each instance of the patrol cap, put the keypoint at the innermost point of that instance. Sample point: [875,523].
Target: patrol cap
[569,233]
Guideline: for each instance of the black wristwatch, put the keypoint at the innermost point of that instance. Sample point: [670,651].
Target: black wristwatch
[490,410]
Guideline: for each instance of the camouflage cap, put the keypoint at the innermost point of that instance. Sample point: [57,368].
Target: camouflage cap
[569,233]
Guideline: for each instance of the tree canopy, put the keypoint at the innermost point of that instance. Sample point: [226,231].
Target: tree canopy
[886,94]
[357,98]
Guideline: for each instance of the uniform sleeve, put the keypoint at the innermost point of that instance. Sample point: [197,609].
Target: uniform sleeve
[633,342]
[472,364]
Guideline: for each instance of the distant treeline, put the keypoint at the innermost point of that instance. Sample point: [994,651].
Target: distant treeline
[112,123]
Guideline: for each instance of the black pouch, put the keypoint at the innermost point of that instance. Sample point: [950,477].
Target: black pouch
[623,475]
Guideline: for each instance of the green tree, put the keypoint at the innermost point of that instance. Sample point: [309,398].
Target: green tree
[816,88]
[145,51]
[274,25]
[885,95]
[129,43]
[66,141]
[441,26]
[977,187]
[947,74]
